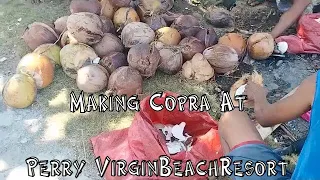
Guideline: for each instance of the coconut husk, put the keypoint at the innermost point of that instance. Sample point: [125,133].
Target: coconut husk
[254,77]
[92,6]
[60,24]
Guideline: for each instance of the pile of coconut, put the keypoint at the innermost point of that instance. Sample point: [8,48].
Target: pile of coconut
[113,45]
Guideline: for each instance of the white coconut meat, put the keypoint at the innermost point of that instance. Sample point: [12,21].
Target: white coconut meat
[240,90]
[282,47]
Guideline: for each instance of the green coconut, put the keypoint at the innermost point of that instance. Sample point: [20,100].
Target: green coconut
[52,51]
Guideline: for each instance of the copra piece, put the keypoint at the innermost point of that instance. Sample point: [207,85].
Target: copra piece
[176,140]
[240,90]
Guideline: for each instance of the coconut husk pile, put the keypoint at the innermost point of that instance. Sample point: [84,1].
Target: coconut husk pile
[113,45]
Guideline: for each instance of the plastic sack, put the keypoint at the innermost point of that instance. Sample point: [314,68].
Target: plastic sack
[142,141]
[306,116]
[307,39]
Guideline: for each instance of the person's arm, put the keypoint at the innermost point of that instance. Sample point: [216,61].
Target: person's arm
[290,17]
[285,109]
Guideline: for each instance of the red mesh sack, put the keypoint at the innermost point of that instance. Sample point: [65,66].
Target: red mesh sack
[307,39]
[142,141]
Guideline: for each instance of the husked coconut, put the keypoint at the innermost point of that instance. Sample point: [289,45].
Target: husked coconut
[168,35]
[222,58]
[124,16]
[92,78]
[113,61]
[157,6]
[219,18]
[254,77]
[52,51]
[67,38]
[19,91]
[136,33]
[207,36]
[74,56]
[198,68]
[60,25]
[145,58]
[125,81]
[108,26]
[171,58]
[107,9]
[39,67]
[121,3]
[85,27]
[39,33]
[235,41]
[260,46]
[156,22]
[187,25]
[92,6]
[169,17]
[109,43]
[190,46]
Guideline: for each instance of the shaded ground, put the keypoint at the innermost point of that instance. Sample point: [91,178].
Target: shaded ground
[48,130]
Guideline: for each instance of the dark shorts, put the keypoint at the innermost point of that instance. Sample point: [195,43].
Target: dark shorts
[257,159]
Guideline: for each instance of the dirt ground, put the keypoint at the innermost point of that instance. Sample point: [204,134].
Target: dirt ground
[48,130]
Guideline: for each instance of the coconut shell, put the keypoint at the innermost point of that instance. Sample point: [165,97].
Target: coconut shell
[222,58]
[142,12]
[254,77]
[145,58]
[190,46]
[156,22]
[107,9]
[19,91]
[136,33]
[168,35]
[113,61]
[39,67]
[91,6]
[121,3]
[235,41]
[171,59]
[39,33]
[124,16]
[60,25]
[207,36]
[52,51]
[108,26]
[187,25]
[85,27]
[198,68]
[125,81]
[219,18]
[108,44]
[75,56]
[260,46]
[92,78]
[169,17]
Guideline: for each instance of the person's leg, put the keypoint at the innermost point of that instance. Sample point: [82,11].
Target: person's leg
[236,127]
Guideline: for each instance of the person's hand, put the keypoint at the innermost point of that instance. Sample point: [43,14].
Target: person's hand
[255,93]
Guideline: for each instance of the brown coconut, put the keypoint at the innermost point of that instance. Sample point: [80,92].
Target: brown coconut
[60,25]
[85,27]
[187,25]
[39,33]
[235,41]
[108,26]
[39,67]
[169,17]
[19,91]
[74,56]
[125,81]
[145,58]
[121,3]
[124,16]
[207,36]
[219,18]
[156,22]
[254,77]
[109,43]
[113,61]
[52,51]
[157,6]
[92,78]
[136,33]
[260,46]
[107,9]
[190,46]
[222,58]
[171,58]
[168,35]
[198,68]
[92,6]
